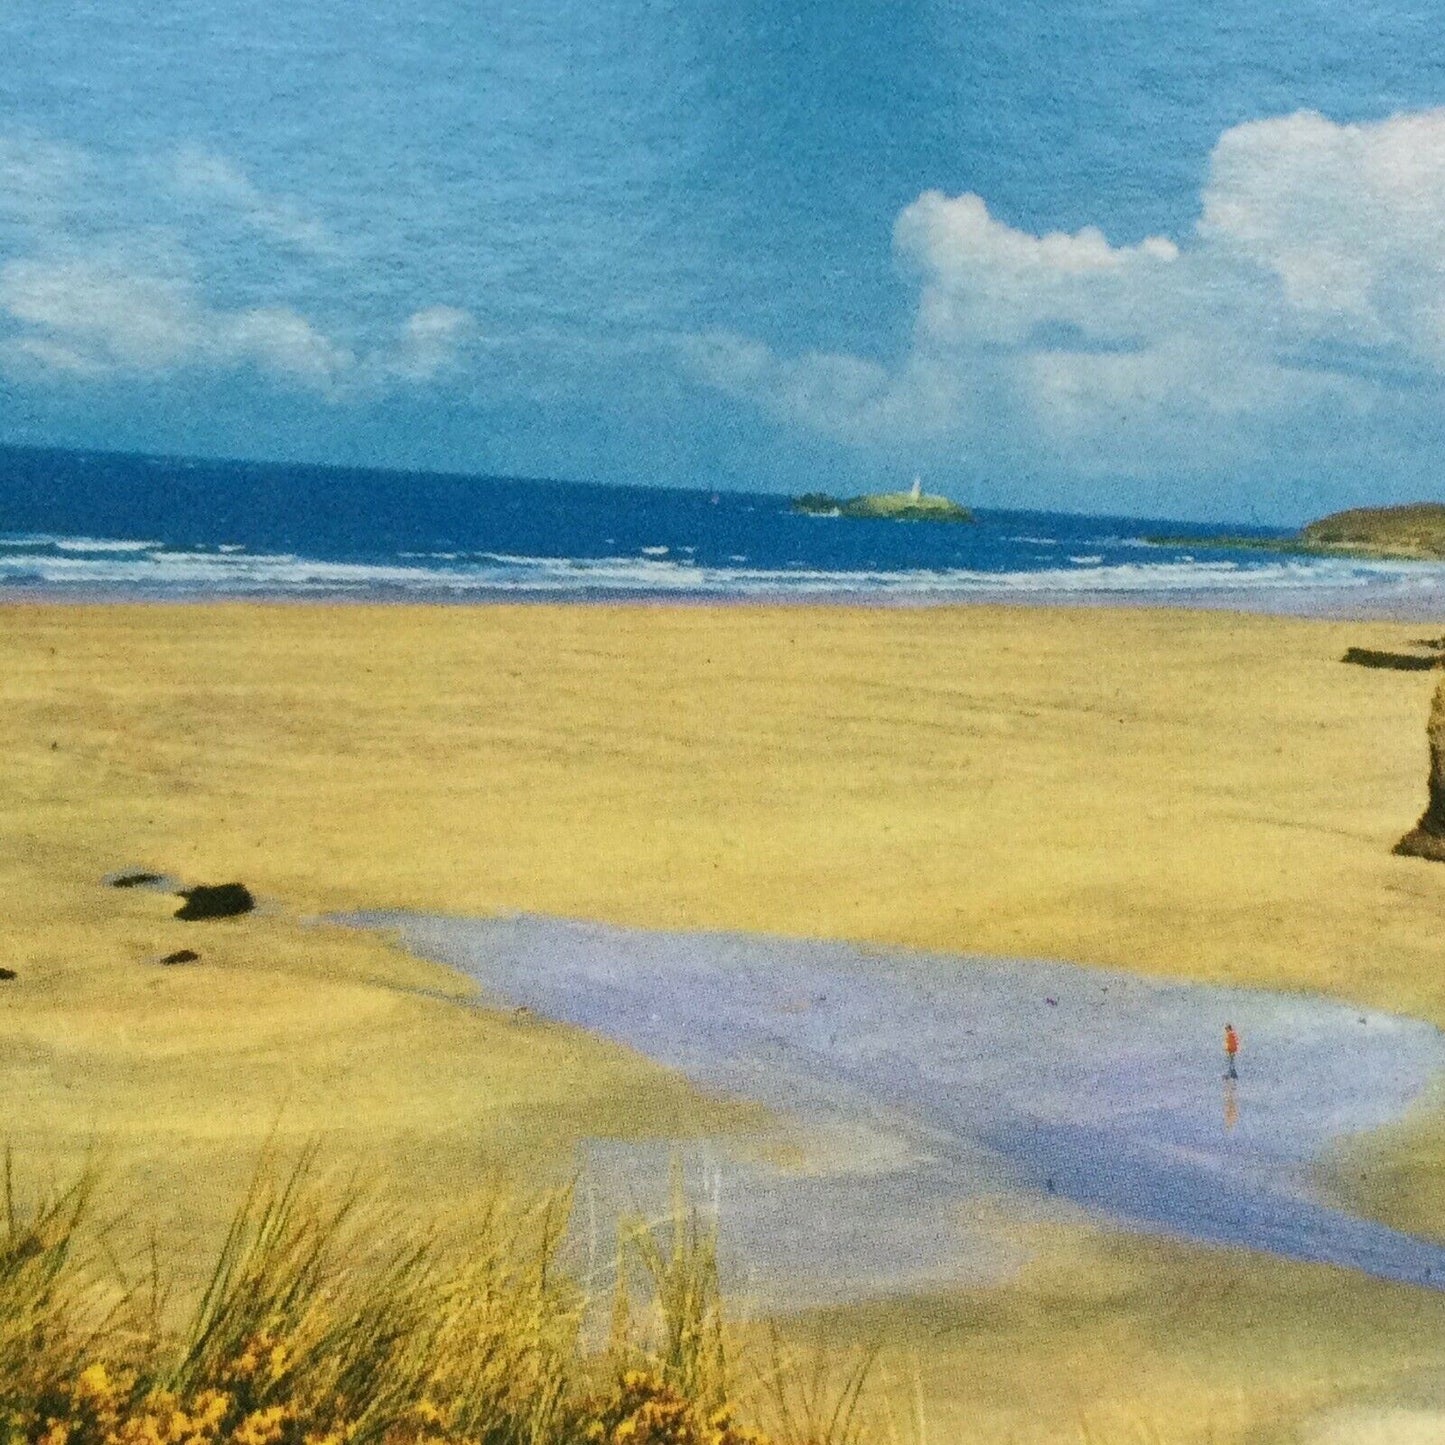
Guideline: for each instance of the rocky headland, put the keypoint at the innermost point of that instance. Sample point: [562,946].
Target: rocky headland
[1414,531]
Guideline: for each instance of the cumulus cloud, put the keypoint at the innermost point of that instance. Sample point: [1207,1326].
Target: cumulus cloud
[1306,307]
[1349,218]
[283,342]
[95,318]
[983,281]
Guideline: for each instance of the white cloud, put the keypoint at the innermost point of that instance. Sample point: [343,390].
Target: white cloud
[97,310]
[95,318]
[279,340]
[203,174]
[1349,218]
[87,293]
[983,281]
[51,357]
[431,341]
[1306,303]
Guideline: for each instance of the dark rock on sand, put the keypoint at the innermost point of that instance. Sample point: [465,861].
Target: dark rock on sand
[182,955]
[224,900]
[1427,838]
[1399,661]
[8,975]
[135,880]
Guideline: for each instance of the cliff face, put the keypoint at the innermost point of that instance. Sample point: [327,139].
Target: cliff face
[1427,838]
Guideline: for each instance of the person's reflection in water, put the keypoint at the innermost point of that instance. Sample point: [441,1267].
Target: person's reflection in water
[1231,1103]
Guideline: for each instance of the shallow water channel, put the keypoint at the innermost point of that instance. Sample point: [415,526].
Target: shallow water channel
[927,1100]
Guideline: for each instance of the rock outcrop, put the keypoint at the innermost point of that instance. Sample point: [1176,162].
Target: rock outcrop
[223,900]
[1427,838]
[1398,661]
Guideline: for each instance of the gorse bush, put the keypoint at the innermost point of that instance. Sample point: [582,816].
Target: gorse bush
[644,1410]
[323,1323]
[41,1290]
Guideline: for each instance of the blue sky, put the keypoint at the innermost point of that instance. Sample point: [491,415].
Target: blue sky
[1106,255]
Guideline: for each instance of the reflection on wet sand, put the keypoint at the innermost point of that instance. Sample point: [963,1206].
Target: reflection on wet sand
[1231,1103]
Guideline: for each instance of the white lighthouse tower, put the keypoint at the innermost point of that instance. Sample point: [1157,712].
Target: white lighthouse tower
[916,491]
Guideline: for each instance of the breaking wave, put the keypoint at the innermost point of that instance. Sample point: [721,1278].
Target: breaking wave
[96,566]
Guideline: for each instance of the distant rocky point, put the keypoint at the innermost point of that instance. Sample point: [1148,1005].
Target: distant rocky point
[911,506]
[1413,531]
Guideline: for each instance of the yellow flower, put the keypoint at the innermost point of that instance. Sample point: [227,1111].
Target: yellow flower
[209,1408]
[276,1362]
[262,1427]
[94,1387]
[425,1413]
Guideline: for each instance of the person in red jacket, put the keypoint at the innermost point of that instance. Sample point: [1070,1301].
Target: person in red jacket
[1231,1048]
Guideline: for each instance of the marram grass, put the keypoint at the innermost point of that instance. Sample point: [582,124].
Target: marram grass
[322,1324]
[325,1321]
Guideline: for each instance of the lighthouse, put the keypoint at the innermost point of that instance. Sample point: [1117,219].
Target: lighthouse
[916,490]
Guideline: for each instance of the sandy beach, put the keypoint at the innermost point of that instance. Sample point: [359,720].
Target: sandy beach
[1186,794]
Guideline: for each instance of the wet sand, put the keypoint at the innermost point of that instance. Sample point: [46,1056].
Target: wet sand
[930,1081]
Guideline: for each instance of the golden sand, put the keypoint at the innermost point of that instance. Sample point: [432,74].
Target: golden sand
[1195,794]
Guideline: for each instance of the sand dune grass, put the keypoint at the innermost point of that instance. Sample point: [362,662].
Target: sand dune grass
[326,1317]
[326,1321]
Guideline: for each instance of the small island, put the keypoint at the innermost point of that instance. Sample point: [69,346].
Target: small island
[1414,531]
[914,505]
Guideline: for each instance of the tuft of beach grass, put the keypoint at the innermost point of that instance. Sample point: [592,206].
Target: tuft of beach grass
[323,1322]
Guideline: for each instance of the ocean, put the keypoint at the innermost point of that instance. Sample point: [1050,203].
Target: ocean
[93,526]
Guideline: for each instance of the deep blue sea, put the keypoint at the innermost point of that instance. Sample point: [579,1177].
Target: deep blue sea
[94,526]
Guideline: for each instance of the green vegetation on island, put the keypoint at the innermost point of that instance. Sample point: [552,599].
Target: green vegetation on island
[1415,531]
[910,506]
